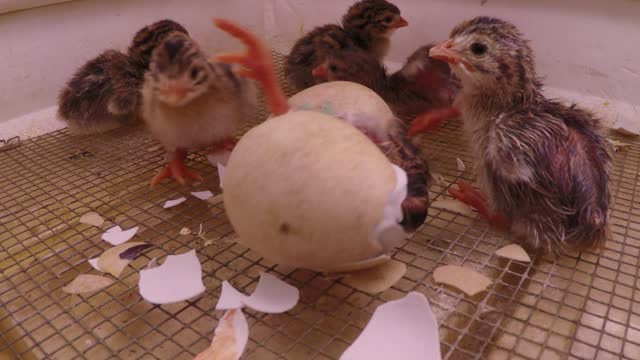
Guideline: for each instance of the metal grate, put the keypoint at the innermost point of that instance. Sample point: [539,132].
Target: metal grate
[582,306]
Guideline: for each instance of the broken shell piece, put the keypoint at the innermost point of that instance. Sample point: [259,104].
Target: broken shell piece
[117,236]
[453,206]
[174,202]
[152,263]
[377,279]
[467,280]
[185,231]
[85,283]
[94,264]
[92,218]
[617,145]
[230,338]
[272,296]
[133,252]
[110,260]
[202,195]
[221,174]
[230,298]
[514,252]
[179,278]
[461,165]
[403,329]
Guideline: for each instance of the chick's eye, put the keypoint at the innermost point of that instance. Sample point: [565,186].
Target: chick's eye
[194,73]
[478,48]
[388,19]
[333,67]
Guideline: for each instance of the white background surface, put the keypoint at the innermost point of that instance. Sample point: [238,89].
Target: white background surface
[587,48]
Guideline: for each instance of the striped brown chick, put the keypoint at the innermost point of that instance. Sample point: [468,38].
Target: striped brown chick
[422,85]
[367,25]
[542,166]
[104,93]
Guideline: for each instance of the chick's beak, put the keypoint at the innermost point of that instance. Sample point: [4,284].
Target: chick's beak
[175,92]
[445,52]
[400,22]
[320,71]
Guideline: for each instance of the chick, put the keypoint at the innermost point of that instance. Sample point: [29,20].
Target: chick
[105,92]
[367,25]
[542,165]
[102,94]
[422,85]
[393,140]
[189,102]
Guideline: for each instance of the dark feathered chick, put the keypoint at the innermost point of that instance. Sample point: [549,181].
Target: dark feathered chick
[105,92]
[367,25]
[422,85]
[542,165]
[189,102]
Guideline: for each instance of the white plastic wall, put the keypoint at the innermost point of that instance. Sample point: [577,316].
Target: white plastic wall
[588,49]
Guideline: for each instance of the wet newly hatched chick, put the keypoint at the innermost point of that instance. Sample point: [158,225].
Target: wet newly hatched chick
[422,85]
[105,92]
[367,25]
[542,165]
[189,102]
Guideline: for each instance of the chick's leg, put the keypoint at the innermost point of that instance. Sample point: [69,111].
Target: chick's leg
[257,65]
[431,119]
[472,197]
[176,169]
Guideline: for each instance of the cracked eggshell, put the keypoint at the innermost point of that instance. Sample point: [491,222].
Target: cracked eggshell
[307,190]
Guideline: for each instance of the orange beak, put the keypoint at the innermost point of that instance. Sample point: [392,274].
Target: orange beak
[444,52]
[320,72]
[400,22]
[175,92]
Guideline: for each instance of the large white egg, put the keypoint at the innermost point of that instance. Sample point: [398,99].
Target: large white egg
[307,190]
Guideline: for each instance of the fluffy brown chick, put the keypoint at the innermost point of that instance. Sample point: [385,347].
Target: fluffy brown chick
[367,25]
[542,165]
[422,85]
[105,92]
[189,102]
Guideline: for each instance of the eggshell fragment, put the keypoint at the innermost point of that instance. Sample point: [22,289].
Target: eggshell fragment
[467,280]
[179,278]
[117,236]
[230,298]
[404,329]
[377,279]
[94,264]
[85,283]
[460,164]
[202,195]
[453,206]
[92,218]
[230,338]
[185,231]
[111,262]
[174,202]
[514,252]
[272,295]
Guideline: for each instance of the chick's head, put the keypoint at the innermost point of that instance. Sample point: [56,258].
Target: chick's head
[374,17]
[180,71]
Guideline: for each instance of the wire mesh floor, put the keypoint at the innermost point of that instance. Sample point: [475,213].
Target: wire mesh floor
[578,307]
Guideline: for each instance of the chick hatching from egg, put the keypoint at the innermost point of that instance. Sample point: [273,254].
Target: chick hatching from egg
[422,85]
[367,25]
[542,165]
[105,92]
[189,103]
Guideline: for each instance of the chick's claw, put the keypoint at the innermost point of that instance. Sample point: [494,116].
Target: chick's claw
[472,197]
[256,64]
[177,170]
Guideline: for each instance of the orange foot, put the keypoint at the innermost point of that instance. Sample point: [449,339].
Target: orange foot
[472,197]
[177,170]
[257,65]
[431,119]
